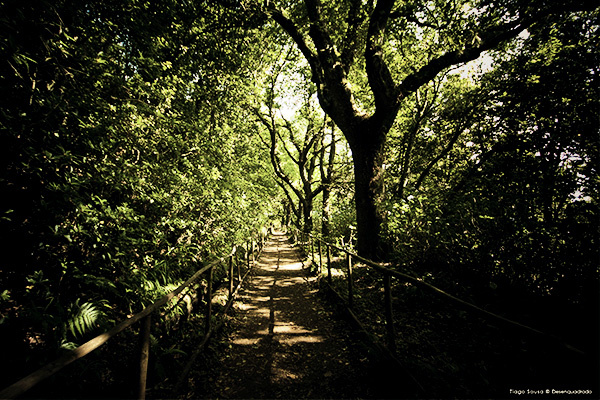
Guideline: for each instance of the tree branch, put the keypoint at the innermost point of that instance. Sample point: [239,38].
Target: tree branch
[334,93]
[460,129]
[295,210]
[288,127]
[289,153]
[327,172]
[408,12]
[488,39]
[354,21]
[318,190]
[318,32]
[291,29]
[275,162]
[379,76]
[263,141]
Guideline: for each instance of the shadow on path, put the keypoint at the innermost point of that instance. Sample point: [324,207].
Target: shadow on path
[286,344]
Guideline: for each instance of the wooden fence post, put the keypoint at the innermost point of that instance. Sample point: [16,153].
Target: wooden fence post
[238,263]
[145,355]
[389,316]
[320,257]
[209,290]
[230,265]
[248,255]
[350,284]
[329,264]
[198,299]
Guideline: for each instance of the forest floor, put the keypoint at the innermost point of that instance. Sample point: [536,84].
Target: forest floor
[285,342]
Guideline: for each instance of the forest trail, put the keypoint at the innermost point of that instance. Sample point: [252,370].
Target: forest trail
[285,343]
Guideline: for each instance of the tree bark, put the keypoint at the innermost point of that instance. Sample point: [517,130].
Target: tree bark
[367,143]
[326,170]
[307,214]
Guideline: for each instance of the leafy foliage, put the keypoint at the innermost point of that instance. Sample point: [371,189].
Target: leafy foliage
[513,200]
[122,171]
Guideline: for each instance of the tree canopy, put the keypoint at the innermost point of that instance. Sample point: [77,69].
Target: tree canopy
[122,170]
[373,45]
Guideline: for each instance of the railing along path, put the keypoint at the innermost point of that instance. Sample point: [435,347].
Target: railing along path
[309,240]
[252,252]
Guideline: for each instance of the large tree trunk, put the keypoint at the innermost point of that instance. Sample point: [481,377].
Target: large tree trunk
[368,149]
[307,208]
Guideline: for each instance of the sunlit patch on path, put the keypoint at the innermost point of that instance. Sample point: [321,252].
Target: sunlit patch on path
[285,343]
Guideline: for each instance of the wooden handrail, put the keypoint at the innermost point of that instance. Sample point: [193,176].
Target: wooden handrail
[211,329]
[26,383]
[385,269]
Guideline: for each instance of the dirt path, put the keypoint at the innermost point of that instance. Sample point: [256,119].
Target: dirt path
[286,344]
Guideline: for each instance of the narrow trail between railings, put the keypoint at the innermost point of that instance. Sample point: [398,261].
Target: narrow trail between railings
[286,343]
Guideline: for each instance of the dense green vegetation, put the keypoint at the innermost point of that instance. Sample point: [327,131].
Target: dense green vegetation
[122,170]
[141,139]
[511,194]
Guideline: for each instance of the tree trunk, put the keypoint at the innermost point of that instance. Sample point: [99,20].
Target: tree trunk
[287,213]
[326,179]
[368,144]
[325,213]
[307,215]
[299,215]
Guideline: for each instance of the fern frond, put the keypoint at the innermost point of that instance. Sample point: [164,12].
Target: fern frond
[174,351]
[68,345]
[84,318]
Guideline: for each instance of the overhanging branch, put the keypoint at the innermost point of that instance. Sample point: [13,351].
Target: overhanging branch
[291,29]
[487,39]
